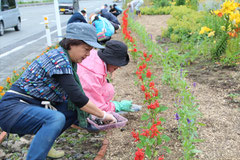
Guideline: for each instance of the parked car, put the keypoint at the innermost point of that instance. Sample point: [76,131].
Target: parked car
[9,15]
[65,6]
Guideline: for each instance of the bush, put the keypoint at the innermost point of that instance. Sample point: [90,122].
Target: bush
[156,11]
[161,3]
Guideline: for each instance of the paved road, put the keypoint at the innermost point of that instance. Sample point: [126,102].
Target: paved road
[18,47]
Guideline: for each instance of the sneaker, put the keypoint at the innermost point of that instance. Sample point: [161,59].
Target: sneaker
[136,108]
[55,154]
[91,128]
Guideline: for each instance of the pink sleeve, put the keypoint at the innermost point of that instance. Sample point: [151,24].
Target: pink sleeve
[97,90]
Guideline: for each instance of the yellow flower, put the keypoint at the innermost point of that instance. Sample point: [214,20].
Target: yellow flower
[229,6]
[223,28]
[23,68]
[1,87]
[2,94]
[211,34]
[17,74]
[14,71]
[204,29]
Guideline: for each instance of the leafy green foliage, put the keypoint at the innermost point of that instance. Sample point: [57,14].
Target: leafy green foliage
[156,11]
[161,3]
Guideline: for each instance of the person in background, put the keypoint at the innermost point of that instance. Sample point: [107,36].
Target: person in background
[135,4]
[103,27]
[48,97]
[93,71]
[109,16]
[105,8]
[115,10]
[78,17]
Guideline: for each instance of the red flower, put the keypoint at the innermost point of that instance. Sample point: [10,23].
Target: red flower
[154,131]
[151,84]
[144,54]
[147,95]
[220,14]
[161,157]
[135,135]
[138,73]
[140,68]
[148,74]
[150,56]
[139,155]
[140,77]
[146,133]
[144,65]
[151,106]
[143,88]
[147,59]
[156,92]
[156,104]
[134,50]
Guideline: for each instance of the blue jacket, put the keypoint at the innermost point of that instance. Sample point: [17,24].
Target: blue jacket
[103,23]
[77,17]
[110,17]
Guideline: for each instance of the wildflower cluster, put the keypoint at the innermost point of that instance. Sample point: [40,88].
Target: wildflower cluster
[230,13]
[187,112]
[17,74]
[150,137]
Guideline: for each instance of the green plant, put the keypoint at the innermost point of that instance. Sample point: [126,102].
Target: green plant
[180,2]
[161,3]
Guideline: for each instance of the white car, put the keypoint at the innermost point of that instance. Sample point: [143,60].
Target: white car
[9,16]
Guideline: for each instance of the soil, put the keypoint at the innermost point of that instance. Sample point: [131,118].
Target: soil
[220,111]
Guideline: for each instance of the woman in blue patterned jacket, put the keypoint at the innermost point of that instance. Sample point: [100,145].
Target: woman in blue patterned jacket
[51,81]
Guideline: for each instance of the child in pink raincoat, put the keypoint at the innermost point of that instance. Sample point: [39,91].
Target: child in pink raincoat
[92,73]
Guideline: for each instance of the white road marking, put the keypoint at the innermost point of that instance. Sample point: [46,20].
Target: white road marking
[23,20]
[22,46]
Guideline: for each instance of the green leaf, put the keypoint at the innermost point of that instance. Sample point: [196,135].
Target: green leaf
[159,141]
[197,140]
[162,119]
[201,124]
[148,152]
[163,108]
[152,141]
[195,151]
[149,125]
[167,149]
[145,117]
[139,145]
[166,138]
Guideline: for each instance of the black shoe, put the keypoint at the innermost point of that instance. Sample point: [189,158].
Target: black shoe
[91,128]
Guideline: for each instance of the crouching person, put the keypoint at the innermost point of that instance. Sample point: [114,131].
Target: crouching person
[93,76]
[53,78]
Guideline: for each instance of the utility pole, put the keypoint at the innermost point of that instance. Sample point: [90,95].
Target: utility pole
[57,15]
[75,6]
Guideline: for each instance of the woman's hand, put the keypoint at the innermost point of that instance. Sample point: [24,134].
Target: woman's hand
[91,108]
[108,118]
